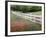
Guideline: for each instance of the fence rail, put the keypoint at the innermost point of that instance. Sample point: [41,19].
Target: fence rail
[29,16]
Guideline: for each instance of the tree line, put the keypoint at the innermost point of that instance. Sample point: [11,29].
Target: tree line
[25,8]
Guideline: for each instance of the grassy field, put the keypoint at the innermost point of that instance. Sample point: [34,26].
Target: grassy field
[37,13]
[21,24]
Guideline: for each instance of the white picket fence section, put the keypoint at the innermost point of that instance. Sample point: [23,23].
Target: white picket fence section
[29,16]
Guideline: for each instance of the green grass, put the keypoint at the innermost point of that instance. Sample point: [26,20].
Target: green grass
[37,13]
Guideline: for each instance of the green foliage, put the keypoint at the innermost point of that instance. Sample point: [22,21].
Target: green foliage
[24,8]
[35,8]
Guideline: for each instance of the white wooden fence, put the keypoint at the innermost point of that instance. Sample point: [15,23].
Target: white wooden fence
[29,16]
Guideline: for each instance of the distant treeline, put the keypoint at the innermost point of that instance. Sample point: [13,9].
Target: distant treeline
[25,8]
